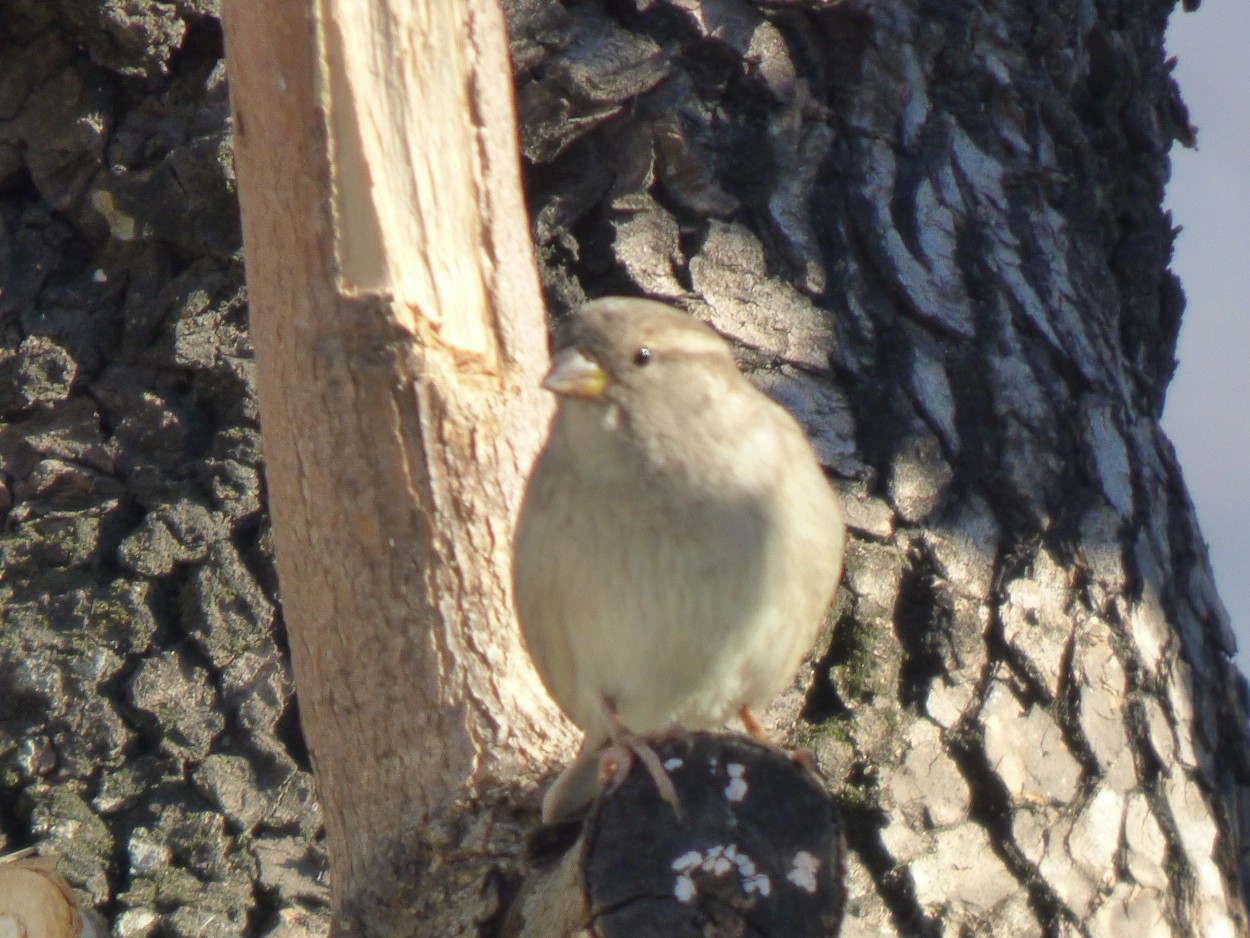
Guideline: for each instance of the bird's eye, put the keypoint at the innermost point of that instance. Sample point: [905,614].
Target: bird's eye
[642,356]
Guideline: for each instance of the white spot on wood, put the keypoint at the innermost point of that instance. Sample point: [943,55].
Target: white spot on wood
[746,867]
[803,871]
[687,861]
[759,883]
[737,788]
[684,889]
[719,861]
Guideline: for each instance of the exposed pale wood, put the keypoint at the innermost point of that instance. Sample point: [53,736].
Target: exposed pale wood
[399,341]
[35,902]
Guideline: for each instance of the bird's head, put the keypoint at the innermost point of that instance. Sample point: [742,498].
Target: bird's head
[622,351]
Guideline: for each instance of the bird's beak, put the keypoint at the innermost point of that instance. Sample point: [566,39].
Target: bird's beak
[575,375]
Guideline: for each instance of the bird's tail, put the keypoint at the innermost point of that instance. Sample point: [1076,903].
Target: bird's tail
[575,787]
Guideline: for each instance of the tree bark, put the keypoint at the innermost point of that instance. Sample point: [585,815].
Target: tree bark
[935,231]
[1027,709]
[400,343]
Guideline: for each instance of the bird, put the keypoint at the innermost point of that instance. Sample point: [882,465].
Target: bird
[678,544]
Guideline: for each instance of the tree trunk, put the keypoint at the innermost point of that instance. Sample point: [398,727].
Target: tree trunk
[400,344]
[934,230]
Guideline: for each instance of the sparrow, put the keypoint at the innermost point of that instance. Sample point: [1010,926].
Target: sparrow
[678,544]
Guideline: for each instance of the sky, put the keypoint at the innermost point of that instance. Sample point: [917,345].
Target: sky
[1207,415]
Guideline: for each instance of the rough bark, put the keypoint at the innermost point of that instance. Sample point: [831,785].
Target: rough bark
[935,231]
[150,744]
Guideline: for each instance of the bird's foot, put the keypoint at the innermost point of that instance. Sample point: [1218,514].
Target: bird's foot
[802,757]
[617,759]
[754,727]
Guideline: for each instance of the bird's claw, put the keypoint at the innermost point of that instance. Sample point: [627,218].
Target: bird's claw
[618,758]
[754,727]
[802,757]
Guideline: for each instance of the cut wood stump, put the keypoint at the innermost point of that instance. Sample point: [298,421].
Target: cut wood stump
[756,853]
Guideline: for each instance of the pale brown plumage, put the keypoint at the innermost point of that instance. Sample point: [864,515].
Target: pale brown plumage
[678,544]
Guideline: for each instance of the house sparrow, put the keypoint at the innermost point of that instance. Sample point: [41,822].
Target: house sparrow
[678,544]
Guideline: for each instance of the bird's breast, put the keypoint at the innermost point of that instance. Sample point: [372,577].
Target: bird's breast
[659,597]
